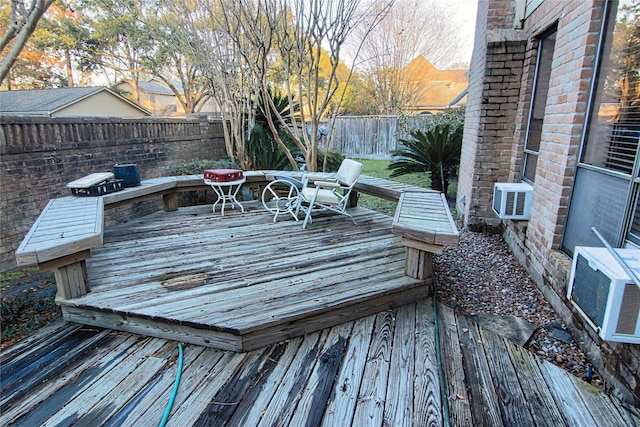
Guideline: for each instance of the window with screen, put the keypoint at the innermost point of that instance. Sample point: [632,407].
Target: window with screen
[614,126]
[546,46]
[607,184]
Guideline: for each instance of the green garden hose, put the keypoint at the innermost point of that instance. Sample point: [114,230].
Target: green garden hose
[167,411]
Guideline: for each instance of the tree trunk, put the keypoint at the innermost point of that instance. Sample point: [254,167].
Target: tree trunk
[439,180]
[30,23]
[67,57]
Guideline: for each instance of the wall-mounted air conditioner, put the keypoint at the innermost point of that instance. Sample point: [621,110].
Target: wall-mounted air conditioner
[604,294]
[512,200]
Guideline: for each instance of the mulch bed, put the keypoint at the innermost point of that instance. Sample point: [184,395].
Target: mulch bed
[482,276]
[26,304]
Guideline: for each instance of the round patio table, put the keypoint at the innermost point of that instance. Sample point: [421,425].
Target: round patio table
[226,192]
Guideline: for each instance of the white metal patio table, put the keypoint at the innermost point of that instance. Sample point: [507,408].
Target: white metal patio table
[226,192]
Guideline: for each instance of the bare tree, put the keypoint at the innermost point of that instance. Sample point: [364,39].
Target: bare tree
[213,45]
[23,21]
[172,64]
[241,45]
[411,28]
[298,34]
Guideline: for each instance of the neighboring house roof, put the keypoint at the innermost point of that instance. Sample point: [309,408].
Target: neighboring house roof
[157,97]
[156,88]
[459,98]
[55,102]
[435,89]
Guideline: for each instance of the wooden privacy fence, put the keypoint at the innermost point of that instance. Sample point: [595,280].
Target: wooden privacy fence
[373,136]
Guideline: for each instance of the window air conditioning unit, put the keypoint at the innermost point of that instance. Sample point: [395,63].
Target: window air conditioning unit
[604,294]
[512,200]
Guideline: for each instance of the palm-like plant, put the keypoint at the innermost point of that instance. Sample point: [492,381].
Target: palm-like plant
[436,150]
[261,148]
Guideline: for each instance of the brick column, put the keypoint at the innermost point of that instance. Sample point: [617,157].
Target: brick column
[490,122]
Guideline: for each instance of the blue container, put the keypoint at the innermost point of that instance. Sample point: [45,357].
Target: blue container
[128,174]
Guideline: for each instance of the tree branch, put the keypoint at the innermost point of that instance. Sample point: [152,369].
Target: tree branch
[20,31]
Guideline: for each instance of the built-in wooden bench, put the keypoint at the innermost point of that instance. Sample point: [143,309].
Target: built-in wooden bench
[61,240]
[425,223]
[63,235]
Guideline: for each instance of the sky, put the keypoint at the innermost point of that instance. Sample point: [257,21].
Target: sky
[464,13]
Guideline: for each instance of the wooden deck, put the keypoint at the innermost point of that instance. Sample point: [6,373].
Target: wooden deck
[239,281]
[323,326]
[381,370]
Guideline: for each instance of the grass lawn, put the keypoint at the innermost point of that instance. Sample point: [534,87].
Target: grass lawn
[378,169]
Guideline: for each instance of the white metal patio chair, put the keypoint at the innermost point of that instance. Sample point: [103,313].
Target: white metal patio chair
[328,192]
[280,196]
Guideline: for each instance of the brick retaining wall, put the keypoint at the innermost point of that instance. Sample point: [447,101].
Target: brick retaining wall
[40,155]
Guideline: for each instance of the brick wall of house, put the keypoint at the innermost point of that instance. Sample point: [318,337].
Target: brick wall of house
[39,156]
[567,99]
[466,205]
[494,90]
[495,131]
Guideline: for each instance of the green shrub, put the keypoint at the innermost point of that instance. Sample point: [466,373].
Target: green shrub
[436,150]
[454,117]
[334,159]
[195,167]
[261,148]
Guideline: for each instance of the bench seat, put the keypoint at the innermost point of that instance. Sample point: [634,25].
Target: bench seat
[66,226]
[425,223]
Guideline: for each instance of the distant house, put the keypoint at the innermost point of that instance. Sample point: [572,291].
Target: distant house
[154,96]
[432,89]
[69,102]
[158,98]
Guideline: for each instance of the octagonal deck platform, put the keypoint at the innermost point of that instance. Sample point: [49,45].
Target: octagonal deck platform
[239,281]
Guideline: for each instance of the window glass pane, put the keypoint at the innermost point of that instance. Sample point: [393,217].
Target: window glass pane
[538,103]
[614,128]
[535,133]
[530,164]
[634,228]
[543,75]
[598,201]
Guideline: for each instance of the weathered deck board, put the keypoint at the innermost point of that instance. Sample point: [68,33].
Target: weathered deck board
[375,371]
[341,408]
[427,400]
[386,189]
[484,406]
[373,389]
[531,380]
[399,401]
[456,386]
[515,408]
[425,217]
[250,411]
[241,281]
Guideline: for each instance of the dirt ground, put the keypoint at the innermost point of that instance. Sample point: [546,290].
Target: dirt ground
[26,303]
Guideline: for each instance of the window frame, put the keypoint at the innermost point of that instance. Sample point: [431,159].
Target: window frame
[528,152]
[633,189]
